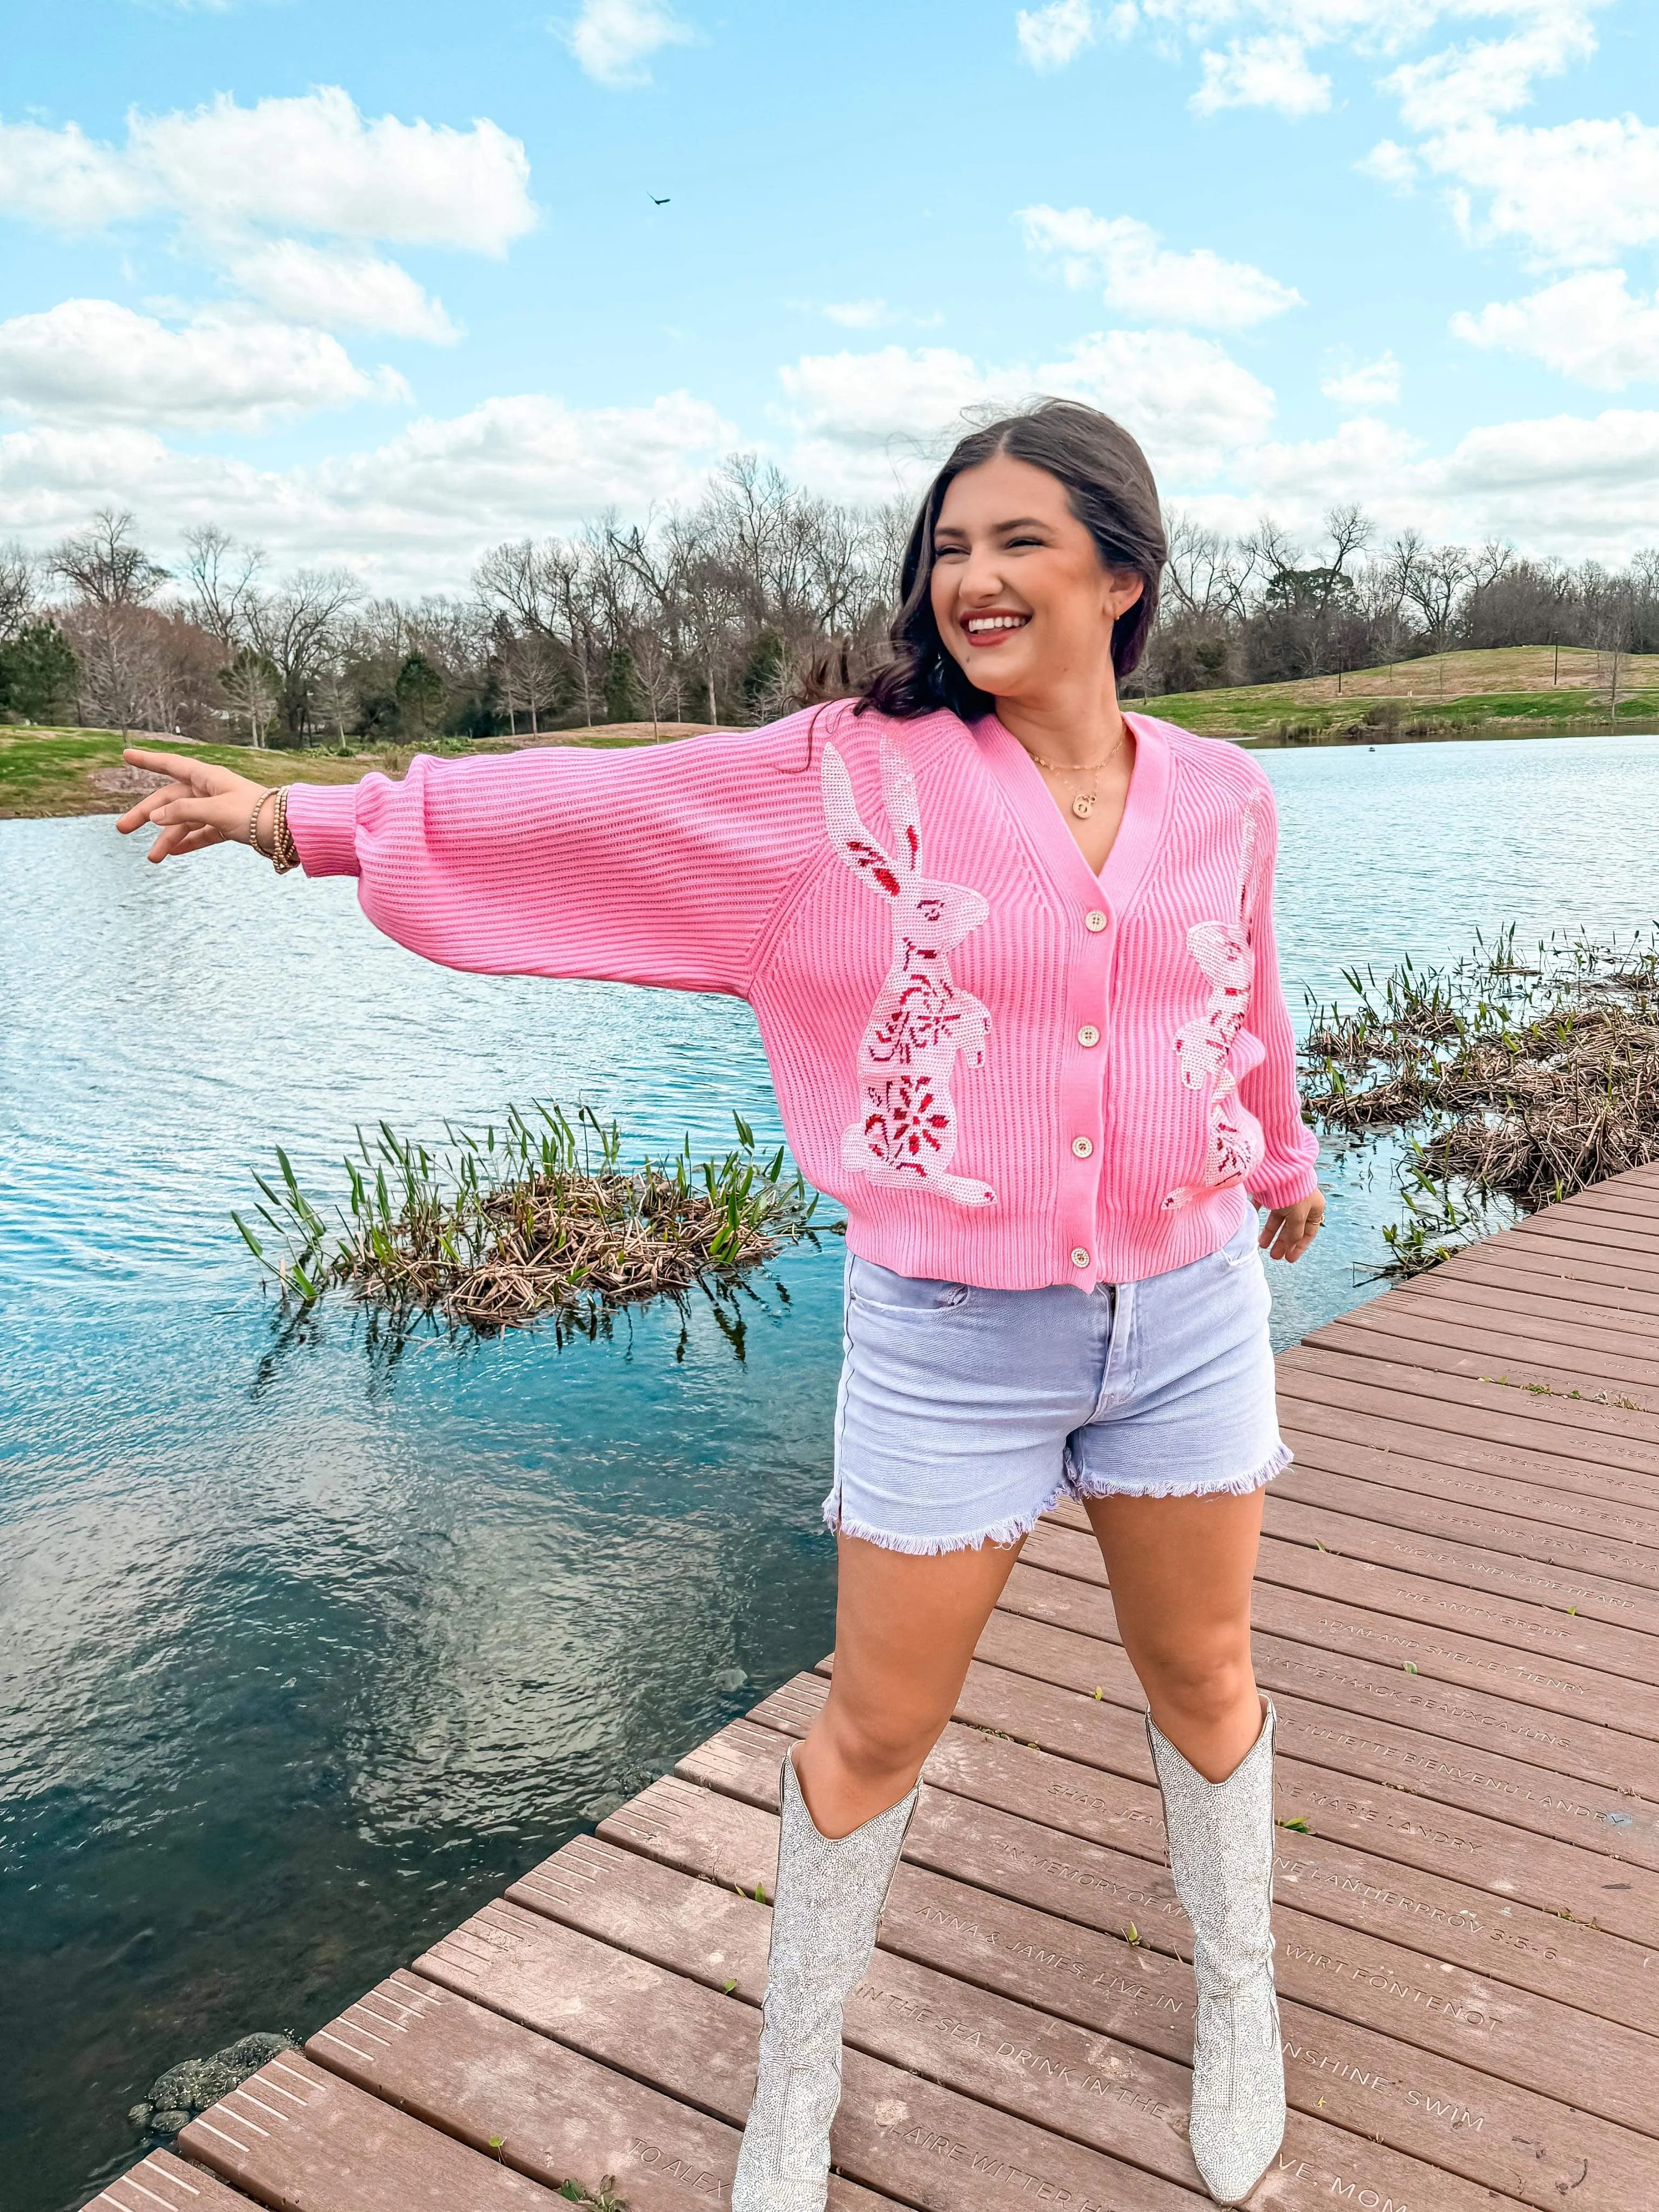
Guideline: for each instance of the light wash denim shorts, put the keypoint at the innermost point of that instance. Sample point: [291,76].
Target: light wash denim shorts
[964,1414]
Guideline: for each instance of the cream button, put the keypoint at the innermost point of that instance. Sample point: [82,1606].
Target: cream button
[1096,920]
[1082,1147]
[1088,1034]
[1079,1257]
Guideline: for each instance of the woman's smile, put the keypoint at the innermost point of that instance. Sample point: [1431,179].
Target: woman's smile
[993,626]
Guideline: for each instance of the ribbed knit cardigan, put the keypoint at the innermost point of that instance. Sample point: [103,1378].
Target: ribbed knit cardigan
[1010,1071]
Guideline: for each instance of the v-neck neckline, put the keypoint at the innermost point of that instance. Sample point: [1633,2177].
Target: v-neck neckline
[1125,867]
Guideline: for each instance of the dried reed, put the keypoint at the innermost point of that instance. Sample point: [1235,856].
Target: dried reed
[540,1217]
[1520,1081]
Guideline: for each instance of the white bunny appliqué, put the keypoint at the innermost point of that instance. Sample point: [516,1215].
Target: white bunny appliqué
[907,1132]
[1222,952]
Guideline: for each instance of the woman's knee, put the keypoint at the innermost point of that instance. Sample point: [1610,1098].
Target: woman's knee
[879,1739]
[1202,1684]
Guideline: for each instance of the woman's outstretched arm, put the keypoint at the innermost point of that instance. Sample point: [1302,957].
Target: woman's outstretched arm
[652,864]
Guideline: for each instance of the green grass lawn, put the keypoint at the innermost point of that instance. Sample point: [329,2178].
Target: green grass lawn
[55,772]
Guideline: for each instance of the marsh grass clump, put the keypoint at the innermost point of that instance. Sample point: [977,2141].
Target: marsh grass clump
[538,1218]
[1518,1079]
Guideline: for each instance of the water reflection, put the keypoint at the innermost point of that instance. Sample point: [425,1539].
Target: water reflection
[316,1635]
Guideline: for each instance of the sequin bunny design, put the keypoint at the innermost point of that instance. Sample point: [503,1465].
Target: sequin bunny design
[906,1131]
[1203,1045]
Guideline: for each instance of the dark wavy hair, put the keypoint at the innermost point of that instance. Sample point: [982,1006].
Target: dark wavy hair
[1111,492]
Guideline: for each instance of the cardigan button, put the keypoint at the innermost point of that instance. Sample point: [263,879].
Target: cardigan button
[1088,1034]
[1079,1257]
[1095,921]
[1082,1147]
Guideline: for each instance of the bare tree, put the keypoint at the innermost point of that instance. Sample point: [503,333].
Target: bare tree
[105,566]
[296,630]
[18,590]
[219,581]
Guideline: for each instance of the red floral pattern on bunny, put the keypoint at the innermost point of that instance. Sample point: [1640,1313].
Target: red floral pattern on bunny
[906,1129]
[1204,1046]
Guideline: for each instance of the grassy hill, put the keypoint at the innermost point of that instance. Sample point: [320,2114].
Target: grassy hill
[1530,688]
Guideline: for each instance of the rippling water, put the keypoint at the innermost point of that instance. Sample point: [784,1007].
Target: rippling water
[306,1648]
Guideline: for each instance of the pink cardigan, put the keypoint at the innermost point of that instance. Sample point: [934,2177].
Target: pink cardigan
[1010,1072]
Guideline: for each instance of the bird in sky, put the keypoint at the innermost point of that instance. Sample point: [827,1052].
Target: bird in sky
[654,200]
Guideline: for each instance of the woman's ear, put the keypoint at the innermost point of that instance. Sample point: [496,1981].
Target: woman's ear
[1124,587]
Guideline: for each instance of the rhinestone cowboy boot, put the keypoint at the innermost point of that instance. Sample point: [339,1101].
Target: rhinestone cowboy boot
[1221,1854]
[826,1909]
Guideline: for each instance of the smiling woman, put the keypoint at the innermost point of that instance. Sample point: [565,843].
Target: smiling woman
[1040,1052]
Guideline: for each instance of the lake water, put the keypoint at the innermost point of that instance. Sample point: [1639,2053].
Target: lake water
[306,1648]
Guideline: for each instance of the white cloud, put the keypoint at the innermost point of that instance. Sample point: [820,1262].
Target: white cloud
[1051,37]
[1391,164]
[859,314]
[865,422]
[1573,193]
[613,38]
[251,190]
[1590,326]
[338,289]
[1266,72]
[307,164]
[1142,278]
[92,361]
[1373,384]
[410,515]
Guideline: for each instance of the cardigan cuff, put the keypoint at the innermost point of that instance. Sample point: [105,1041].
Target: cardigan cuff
[323,818]
[1287,1185]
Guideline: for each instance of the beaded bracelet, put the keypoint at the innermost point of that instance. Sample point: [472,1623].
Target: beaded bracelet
[284,853]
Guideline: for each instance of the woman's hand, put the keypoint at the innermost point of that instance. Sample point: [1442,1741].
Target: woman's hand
[1289,1230]
[203,805]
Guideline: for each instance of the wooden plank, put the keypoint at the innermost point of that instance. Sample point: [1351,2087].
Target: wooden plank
[468,2070]
[303,2140]
[1564,1263]
[912,2135]
[1499,1515]
[1486,1929]
[163,2180]
[1349,1561]
[1479,1412]
[1527,1275]
[1587,1740]
[1503,1560]
[1604,1816]
[1389,1430]
[1524,1313]
[973,2034]
[1430,2107]
[1501,1363]
[1486,1348]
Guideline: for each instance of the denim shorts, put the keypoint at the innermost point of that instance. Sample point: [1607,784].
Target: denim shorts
[964,1414]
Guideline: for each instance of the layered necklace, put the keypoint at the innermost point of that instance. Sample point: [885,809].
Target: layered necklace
[1083,802]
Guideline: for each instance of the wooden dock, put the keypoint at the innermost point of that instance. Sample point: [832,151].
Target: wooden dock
[1458,1614]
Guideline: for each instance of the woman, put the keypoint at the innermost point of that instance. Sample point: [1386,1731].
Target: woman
[1011,954]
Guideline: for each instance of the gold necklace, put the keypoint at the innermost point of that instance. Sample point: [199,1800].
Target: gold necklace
[1083,802]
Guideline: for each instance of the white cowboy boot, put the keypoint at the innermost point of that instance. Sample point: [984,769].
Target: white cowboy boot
[826,1909]
[1221,1854]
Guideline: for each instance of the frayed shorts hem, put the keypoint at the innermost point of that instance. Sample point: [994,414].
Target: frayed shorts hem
[1240,1486]
[1004,1534]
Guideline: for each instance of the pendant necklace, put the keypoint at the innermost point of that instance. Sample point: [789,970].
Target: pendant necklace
[1083,802]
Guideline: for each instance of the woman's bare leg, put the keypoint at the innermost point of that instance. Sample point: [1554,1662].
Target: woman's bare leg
[1180,1571]
[905,1631]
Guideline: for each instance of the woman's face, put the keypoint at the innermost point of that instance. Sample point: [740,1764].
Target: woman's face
[1019,594]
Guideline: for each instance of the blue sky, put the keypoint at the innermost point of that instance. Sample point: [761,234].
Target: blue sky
[380,284]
